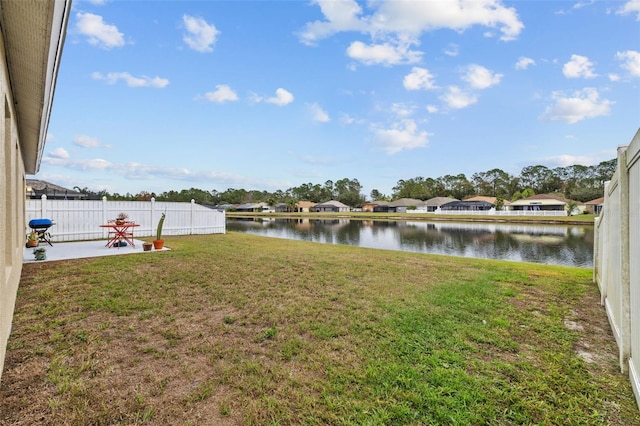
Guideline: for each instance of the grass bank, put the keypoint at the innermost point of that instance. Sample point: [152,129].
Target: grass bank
[583,219]
[240,329]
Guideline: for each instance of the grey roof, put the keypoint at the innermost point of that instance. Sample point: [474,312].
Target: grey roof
[39,187]
[248,206]
[438,201]
[334,203]
[406,202]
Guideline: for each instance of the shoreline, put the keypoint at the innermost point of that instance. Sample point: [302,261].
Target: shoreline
[579,220]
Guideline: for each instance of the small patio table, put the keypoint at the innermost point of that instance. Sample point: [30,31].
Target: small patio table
[119,232]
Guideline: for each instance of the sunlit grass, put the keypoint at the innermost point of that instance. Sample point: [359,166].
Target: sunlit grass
[254,330]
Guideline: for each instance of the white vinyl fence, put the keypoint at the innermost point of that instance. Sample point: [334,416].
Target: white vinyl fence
[78,220]
[617,258]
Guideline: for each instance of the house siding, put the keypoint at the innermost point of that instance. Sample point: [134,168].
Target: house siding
[12,184]
[31,40]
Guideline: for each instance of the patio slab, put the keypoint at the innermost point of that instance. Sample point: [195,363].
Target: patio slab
[83,249]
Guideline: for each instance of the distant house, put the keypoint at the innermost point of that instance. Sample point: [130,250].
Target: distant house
[492,200]
[594,206]
[381,207]
[546,202]
[225,206]
[282,208]
[37,188]
[254,208]
[401,205]
[299,207]
[467,205]
[368,207]
[333,206]
[432,204]
[304,206]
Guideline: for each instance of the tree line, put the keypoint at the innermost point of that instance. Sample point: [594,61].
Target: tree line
[576,182]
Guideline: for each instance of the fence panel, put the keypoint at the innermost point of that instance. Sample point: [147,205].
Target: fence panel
[616,254]
[633,164]
[80,220]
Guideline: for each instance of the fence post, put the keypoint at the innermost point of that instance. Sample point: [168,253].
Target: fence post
[104,209]
[105,218]
[43,205]
[153,208]
[625,284]
[191,219]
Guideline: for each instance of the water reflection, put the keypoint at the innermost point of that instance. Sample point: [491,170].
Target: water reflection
[550,244]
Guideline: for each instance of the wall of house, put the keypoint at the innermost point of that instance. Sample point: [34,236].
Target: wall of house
[12,202]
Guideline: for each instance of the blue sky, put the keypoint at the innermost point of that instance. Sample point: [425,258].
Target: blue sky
[169,95]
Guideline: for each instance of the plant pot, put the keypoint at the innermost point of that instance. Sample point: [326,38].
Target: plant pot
[120,222]
[147,246]
[32,243]
[40,254]
[158,244]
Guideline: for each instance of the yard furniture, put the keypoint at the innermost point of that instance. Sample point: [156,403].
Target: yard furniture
[120,232]
[41,227]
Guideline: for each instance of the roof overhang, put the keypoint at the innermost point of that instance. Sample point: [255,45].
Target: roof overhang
[33,32]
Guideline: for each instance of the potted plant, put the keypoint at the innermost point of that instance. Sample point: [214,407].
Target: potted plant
[40,253]
[146,246]
[158,243]
[32,239]
[121,218]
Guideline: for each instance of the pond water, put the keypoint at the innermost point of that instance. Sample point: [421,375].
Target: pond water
[549,244]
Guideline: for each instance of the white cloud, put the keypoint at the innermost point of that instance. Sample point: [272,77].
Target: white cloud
[630,61]
[524,63]
[614,77]
[407,17]
[223,93]
[347,120]
[99,34]
[200,35]
[630,7]
[432,109]
[341,15]
[577,106]
[452,50]
[86,141]
[98,2]
[578,66]
[282,97]
[569,160]
[480,77]
[384,54]
[456,98]
[419,78]
[402,110]
[318,113]
[139,171]
[403,136]
[131,81]
[59,153]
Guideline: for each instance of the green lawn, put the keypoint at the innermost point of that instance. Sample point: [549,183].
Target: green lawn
[241,329]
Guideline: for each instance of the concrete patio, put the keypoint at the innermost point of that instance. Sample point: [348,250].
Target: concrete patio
[83,249]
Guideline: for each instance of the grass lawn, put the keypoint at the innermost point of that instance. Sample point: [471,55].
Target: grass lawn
[240,329]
